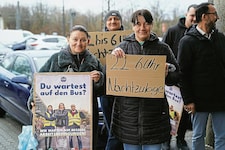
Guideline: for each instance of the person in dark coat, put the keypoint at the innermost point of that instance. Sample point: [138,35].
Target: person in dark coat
[49,123]
[76,58]
[176,32]
[201,57]
[143,123]
[172,38]
[113,22]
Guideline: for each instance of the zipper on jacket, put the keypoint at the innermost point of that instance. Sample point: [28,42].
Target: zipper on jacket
[139,122]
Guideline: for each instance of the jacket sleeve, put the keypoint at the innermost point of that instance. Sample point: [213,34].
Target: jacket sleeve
[173,77]
[99,86]
[167,38]
[185,63]
[49,65]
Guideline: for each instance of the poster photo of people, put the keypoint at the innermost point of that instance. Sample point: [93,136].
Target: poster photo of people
[63,112]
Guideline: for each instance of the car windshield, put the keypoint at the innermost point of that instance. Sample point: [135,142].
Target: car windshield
[40,61]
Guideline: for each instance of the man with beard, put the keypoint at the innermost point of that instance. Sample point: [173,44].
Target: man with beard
[172,38]
[201,56]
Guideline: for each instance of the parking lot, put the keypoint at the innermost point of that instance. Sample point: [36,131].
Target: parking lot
[9,131]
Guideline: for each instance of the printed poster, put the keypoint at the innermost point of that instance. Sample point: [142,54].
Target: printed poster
[176,105]
[63,112]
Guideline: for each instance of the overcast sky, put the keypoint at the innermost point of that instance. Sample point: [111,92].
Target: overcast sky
[97,6]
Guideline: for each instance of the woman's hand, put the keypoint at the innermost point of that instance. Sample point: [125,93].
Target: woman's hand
[33,107]
[118,52]
[167,69]
[95,75]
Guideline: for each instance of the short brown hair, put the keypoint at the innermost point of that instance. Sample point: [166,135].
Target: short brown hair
[80,28]
[142,12]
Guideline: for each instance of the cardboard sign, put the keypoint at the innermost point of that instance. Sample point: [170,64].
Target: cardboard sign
[63,110]
[102,43]
[176,105]
[136,76]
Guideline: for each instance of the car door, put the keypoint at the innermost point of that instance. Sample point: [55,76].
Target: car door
[62,42]
[51,43]
[5,78]
[22,67]
[15,94]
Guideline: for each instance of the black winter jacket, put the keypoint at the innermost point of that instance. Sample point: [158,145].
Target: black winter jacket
[142,121]
[85,62]
[174,34]
[64,60]
[202,65]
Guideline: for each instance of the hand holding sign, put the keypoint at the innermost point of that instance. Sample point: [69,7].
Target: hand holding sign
[118,52]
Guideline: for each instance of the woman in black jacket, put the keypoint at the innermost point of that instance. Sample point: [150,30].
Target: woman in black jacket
[143,123]
[76,58]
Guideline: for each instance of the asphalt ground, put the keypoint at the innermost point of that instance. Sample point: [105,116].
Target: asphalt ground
[10,129]
[188,140]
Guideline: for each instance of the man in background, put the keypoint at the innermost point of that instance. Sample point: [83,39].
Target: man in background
[201,57]
[113,22]
[172,38]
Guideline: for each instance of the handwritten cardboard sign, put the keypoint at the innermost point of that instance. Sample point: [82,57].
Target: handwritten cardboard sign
[102,43]
[136,76]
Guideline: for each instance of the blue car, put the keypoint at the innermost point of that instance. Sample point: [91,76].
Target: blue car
[16,74]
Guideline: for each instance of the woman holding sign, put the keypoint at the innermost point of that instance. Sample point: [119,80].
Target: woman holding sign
[76,58]
[143,123]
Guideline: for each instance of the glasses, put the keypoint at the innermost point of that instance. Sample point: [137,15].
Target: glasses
[213,13]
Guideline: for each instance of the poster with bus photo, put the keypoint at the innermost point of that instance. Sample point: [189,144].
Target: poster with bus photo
[63,113]
[176,105]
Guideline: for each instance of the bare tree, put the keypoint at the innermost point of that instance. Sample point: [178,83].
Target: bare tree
[42,18]
[9,15]
[158,16]
[39,17]
[220,7]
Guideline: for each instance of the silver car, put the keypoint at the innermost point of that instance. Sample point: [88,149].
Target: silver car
[46,42]
[3,51]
